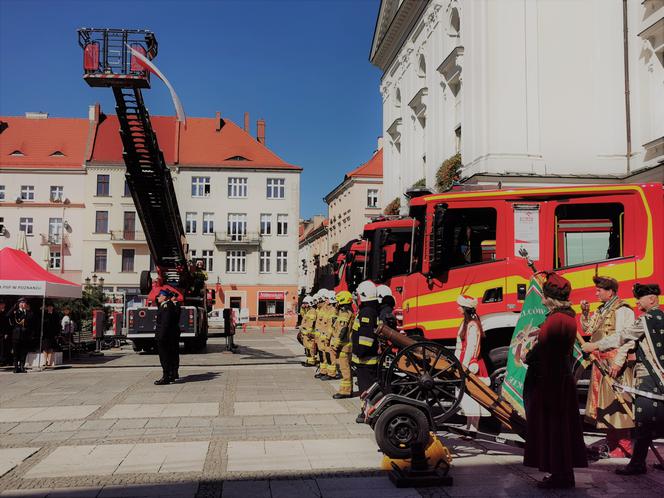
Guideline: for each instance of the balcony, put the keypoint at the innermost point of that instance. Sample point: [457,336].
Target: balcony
[119,236]
[54,239]
[225,239]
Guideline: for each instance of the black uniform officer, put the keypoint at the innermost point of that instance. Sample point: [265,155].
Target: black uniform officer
[21,320]
[175,346]
[5,334]
[165,333]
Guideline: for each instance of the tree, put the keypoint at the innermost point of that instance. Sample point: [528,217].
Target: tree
[81,309]
[393,207]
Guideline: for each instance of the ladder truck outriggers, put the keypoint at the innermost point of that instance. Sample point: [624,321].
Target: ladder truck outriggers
[109,61]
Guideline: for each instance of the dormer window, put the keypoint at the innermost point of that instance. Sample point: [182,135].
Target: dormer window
[57,153]
[17,153]
[237,158]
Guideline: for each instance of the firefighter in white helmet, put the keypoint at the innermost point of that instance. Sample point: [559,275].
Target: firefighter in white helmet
[365,344]
[386,309]
[332,372]
[307,328]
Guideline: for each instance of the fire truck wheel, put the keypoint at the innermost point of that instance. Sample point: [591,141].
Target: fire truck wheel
[398,428]
[137,346]
[145,282]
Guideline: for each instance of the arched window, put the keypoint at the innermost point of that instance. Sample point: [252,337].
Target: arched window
[397,98]
[421,66]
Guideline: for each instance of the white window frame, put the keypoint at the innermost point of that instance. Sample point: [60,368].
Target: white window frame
[190,222]
[27,192]
[236,261]
[56,193]
[133,260]
[107,221]
[94,265]
[207,255]
[266,224]
[54,230]
[264,261]
[200,186]
[54,260]
[26,225]
[282,261]
[372,198]
[237,187]
[282,225]
[107,194]
[276,188]
[2,192]
[208,223]
[236,226]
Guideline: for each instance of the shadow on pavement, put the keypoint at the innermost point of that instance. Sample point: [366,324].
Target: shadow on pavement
[199,377]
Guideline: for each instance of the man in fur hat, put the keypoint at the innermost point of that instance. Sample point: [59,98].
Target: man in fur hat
[602,406]
[648,334]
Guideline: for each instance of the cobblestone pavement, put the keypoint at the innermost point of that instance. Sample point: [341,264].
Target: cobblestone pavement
[250,424]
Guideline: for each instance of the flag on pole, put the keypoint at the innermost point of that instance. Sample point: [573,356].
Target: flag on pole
[524,338]
[148,65]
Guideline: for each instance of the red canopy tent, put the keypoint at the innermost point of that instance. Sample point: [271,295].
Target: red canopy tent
[20,275]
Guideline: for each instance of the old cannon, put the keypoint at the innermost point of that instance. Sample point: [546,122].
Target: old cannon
[421,384]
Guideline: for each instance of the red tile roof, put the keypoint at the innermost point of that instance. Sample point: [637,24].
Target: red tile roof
[198,145]
[39,139]
[373,167]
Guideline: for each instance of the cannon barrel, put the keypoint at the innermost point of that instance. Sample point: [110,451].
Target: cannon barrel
[474,386]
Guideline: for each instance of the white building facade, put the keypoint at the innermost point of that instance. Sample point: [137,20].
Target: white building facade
[524,90]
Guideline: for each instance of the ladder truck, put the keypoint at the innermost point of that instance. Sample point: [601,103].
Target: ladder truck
[109,62]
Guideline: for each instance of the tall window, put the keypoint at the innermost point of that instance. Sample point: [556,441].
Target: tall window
[237,187]
[264,262]
[100,260]
[266,224]
[129,225]
[57,193]
[2,192]
[236,261]
[54,260]
[282,224]
[208,259]
[208,223]
[276,188]
[372,198]
[101,222]
[54,230]
[282,261]
[126,192]
[237,226]
[25,225]
[128,260]
[27,192]
[103,185]
[190,222]
[200,186]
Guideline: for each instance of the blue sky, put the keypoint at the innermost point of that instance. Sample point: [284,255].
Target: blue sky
[302,65]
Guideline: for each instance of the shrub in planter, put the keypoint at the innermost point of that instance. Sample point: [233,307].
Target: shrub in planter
[448,173]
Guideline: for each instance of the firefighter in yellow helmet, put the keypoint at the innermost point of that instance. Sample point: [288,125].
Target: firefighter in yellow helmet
[307,328]
[322,326]
[341,345]
[332,372]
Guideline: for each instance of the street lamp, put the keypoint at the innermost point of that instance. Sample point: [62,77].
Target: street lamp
[65,203]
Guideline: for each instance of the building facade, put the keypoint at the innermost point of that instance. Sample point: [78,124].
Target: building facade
[524,90]
[314,252]
[353,202]
[238,202]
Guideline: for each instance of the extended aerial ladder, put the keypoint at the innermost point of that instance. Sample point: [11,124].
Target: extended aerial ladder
[110,62]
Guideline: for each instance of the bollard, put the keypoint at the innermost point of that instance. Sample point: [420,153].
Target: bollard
[263,328]
[282,328]
[244,328]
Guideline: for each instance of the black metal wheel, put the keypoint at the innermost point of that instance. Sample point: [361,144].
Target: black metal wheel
[384,362]
[398,428]
[429,372]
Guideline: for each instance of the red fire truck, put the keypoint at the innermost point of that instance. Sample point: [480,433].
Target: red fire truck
[469,242]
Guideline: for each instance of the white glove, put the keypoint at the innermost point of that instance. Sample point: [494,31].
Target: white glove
[474,367]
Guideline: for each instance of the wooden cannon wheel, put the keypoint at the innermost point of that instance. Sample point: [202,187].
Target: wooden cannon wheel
[429,372]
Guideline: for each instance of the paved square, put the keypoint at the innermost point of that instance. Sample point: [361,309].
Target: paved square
[163,410]
[308,454]
[111,459]
[11,457]
[46,413]
[287,407]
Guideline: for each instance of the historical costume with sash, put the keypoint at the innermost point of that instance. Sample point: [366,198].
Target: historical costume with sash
[648,334]
[602,407]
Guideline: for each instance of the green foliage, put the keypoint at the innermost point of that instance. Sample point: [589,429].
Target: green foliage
[448,173]
[422,182]
[81,309]
[393,207]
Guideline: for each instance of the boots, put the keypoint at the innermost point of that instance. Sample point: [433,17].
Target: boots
[619,442]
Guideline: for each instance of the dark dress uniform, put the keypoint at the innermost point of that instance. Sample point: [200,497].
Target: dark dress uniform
[166,334]
[51,330]
[175,343]
[22,323]
[365,345]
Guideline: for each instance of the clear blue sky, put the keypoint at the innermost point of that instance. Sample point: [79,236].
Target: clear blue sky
[301,65]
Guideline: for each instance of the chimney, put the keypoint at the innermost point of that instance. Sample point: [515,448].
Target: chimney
[260,131]
[217,120]
[93,113]
[246,122]
[36,115]
[380,143]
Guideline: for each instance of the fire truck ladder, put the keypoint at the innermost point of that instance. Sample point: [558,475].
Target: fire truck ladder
[149,181]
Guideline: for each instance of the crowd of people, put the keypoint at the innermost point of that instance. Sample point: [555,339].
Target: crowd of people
[21,332]
[626,394]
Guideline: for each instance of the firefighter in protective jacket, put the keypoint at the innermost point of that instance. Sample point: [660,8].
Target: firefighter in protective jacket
[307,328]
[341,345]
[365,343]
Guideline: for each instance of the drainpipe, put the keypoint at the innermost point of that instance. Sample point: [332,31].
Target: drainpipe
[628,121]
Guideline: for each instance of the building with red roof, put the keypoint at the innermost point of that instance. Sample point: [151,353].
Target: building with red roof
[238,200]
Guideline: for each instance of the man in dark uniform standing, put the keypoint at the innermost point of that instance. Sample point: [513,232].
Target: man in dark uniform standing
[164,333]
[175,346]
[5,334]
[365,343]
[21,321]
